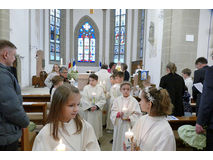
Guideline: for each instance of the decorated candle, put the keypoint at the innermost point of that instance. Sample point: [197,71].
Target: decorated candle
[61,146]
[129,134]
[93,97]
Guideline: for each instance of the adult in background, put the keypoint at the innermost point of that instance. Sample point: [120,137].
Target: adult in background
[12,115]
[205,112]
[174,84]
[126,73]
[55,72]
[112,66]
[63,71]
[199,74]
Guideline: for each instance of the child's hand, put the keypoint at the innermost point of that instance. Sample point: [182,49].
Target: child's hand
[93,108]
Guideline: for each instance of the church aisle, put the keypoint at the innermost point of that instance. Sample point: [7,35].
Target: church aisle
[105,141]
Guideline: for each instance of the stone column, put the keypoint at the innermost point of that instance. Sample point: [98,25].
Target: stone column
[104,36]
[5,24]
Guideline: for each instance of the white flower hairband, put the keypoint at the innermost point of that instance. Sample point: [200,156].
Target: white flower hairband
[150,98]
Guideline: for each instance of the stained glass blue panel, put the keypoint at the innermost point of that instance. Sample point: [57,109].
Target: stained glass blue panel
[57,22]
[116,49]
[86,26]
[123,20]
[52,13]
[86,49]
[80,57]
[52,56]
[58,13]
[92,42]
[57,38]
[52,47]
[122,49]
[57,31]
[52,20]
[57,58]
[122,42]
[117,12]
[122,30]
[57,47]
[117,20]
[123,11]
[116,58]
[122,58]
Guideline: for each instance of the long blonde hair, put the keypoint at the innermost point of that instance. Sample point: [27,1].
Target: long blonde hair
[59,100]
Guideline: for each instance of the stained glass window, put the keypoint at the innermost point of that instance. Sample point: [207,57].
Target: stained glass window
[55,43]
[86,43]
[142,33]
[119,35]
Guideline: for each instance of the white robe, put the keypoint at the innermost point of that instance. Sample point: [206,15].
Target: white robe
[189,83]
[48,80]
[94,118]
[104,76]
[154,134]
[114,93]
[85,141]
[121,126]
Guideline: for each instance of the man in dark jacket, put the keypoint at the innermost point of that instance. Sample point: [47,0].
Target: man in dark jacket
[12,115]
[201,65]
[205,113]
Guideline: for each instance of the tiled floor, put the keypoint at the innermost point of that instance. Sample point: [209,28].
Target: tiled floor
[105,141]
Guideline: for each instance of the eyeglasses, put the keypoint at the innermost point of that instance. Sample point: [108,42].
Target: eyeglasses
[64,72]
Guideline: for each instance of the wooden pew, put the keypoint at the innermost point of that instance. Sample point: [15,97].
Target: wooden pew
[182,121]
[25,143]
[31,107]
[36,97]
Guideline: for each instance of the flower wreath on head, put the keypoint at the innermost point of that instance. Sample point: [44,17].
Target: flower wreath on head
[150,98]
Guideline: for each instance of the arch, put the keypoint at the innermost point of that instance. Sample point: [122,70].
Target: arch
[81,22]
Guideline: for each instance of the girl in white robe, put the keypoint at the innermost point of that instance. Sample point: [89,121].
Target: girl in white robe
[65,124]
[152,132]
[124,113]
[92,102]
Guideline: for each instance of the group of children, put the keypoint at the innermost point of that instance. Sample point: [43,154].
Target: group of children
[151,131]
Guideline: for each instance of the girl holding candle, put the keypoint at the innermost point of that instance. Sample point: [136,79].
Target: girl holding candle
[92,102]
[65,124]
[152,132]
[124,113]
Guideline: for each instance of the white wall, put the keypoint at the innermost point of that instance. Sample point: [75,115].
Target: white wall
[203,35]
[153,53]
[135,36]
[97,17]
[19,35]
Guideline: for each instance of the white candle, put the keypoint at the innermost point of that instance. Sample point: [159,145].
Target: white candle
[129,134]
[61,61]
[93,97]
[61,146]
[124,109]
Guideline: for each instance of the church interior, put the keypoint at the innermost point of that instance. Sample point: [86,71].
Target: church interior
[83,40]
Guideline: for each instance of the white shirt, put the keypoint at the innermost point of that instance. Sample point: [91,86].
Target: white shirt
[189,83]
[154,134]
[104,75]
[85,141]
[48,80]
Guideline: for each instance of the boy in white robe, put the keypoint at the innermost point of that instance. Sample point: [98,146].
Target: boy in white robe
[92,102]
[65,124]
[152,132]
[124,113]
[104,81]
[114,93]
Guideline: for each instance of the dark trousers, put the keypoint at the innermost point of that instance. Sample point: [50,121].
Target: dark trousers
[10,147]
[209,140]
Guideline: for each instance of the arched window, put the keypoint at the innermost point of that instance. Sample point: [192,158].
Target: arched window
[55,38]
[119,35]
[141,25]
[86,42]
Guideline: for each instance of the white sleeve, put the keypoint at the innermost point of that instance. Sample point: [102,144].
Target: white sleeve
[38,144]
[85,102]
[114,111]
[48,81]
[90,142]
[166,144]
[101,99]
[136,114]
